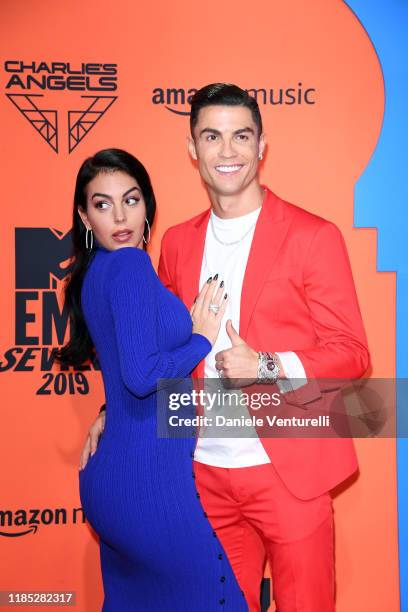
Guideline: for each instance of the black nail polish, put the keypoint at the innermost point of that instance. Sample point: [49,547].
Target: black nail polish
[221,284]
[209,280]
[225,296]
[215,277]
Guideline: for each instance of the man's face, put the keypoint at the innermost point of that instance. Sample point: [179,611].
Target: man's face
[227,146]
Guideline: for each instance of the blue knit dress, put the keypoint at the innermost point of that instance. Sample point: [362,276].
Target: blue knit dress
[158,550]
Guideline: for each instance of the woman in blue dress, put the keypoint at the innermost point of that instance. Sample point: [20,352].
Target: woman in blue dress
[158,550]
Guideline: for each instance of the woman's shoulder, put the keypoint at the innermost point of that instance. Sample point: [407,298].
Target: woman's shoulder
[128,253]
[127,261]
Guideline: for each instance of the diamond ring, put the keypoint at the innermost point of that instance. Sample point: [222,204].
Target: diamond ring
[214,308]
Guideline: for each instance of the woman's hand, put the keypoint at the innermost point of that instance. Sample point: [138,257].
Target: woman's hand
[92,440]
[208,310]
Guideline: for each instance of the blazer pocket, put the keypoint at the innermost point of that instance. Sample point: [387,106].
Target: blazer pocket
[284,272]
[280,293]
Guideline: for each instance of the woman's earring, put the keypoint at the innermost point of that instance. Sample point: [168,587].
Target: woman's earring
[148,227]
[89,239]
[260,157]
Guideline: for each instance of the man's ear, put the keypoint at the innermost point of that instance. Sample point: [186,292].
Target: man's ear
[191,147]
[84,218]
[262,145]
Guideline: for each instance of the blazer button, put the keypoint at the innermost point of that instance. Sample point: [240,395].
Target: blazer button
[222,579]
[220,556]
[222,601]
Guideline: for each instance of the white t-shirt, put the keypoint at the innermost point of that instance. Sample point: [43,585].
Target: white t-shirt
[229,262]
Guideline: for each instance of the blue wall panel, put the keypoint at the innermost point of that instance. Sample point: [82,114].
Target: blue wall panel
[381,202]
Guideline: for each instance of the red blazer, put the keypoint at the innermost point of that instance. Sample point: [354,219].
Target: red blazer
[298,295]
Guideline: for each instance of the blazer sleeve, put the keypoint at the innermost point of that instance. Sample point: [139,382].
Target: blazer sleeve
[341,351]
[132,290]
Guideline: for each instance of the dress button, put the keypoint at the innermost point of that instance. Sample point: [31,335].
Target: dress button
[222,601]
[220,556]
[222,579]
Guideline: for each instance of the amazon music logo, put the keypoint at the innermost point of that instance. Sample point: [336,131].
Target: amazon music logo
[61,105]
[178,100]
[23,522]
[42,263]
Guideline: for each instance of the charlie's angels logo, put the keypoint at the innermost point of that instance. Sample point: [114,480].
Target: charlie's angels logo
[25,79]
[42,262]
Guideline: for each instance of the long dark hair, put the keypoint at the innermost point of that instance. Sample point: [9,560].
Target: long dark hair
[80,347]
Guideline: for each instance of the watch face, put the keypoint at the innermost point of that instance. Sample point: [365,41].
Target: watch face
[270,366]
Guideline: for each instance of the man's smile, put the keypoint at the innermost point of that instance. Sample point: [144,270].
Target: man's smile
[229,169]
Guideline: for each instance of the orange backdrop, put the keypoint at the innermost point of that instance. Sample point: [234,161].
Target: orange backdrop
[321,136]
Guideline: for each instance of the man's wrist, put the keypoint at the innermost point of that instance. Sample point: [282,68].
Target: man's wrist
[269,368]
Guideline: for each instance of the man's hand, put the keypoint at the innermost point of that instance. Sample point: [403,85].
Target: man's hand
[240,362]
[92,440]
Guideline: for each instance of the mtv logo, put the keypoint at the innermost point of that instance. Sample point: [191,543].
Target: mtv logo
[41,257]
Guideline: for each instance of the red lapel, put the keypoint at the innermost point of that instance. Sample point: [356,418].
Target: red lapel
[270,232]
[191,260]
[269,235]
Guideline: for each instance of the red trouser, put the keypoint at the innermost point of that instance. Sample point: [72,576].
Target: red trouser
[255,515]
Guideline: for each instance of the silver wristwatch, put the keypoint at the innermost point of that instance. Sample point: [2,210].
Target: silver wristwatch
[268,368]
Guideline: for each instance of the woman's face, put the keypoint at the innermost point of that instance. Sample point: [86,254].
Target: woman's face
[115,210]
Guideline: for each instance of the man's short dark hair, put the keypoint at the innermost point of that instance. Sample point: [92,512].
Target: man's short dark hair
[223,94]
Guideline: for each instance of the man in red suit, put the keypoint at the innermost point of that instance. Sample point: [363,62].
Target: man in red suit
[293,317]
